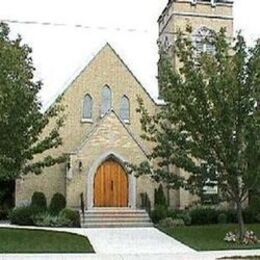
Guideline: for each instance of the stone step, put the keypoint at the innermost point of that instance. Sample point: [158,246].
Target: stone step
[116,224]
[115,220]
[115,217]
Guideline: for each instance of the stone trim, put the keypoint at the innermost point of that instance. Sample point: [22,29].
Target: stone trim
[91,176]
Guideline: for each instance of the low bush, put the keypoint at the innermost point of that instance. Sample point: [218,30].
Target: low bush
[167,222]
[249,216]
[23,215]
[72,215]
[204,216]
[222,218]
[66,218]
[58,203]
[185,216]
[3,214]
[159,213]
[178,222]
[39,200]
[170,223]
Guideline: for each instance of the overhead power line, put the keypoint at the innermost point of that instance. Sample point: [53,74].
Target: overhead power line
[81,26]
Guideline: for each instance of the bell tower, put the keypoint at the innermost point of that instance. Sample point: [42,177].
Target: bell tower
[204,16]
[201,15]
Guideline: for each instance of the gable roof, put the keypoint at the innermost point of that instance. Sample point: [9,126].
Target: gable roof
[82,69]
[100,122]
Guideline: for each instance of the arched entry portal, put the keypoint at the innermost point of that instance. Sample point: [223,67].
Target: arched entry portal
[111,185]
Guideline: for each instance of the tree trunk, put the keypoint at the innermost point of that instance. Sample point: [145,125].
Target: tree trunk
[240,221]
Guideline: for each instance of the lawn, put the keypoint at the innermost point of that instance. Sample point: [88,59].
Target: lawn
[39,241]
[209,237]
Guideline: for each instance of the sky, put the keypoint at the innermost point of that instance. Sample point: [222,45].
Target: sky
[60,52]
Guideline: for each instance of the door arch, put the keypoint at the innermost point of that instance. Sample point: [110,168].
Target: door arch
[111,185]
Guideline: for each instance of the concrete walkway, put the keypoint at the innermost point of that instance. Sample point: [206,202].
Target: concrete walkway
[129,244]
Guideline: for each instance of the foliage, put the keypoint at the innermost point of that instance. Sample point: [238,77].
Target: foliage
[203,216]
[159,213]
[222,218]
[145,202]
[58,203]
[22,122]
[72,215]
[209,125]
[39,200]
[48,220]
[23,216]
[169,222]
[159,196]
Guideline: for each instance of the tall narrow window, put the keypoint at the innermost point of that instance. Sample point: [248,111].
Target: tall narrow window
[125,109]
[87,107]
[106,100]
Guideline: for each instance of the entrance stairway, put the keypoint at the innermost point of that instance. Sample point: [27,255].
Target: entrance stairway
[115,217]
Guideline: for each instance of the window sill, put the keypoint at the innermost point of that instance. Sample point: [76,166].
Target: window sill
[127,122]
[85,120]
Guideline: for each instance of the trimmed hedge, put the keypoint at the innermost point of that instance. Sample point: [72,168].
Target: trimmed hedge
[204,216]
[39,200]
[58,203]
[72,215]
[23,216]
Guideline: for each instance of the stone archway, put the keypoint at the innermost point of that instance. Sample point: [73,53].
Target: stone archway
[91,179]
[111,185]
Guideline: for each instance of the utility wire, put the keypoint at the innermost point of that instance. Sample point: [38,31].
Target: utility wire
[81,26]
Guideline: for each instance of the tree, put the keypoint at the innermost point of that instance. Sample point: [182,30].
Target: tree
[210,124]
[21,121]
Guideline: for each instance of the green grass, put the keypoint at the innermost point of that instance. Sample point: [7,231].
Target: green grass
[39,241]
[209,237]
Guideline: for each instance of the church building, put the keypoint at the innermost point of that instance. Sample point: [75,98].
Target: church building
[102,129]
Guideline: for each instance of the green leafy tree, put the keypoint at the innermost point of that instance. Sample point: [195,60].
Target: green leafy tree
[21,120]
[209,125]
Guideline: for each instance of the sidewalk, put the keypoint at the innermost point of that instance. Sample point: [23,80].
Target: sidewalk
[129,244]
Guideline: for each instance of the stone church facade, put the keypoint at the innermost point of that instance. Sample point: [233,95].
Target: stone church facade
[102,129]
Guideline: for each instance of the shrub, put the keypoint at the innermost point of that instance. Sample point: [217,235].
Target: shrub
[178,222]
[249,216]
[58,203]
[160,198]
[145,202]
[222,218]
[257,218]
[23,215]
[185,217]
[159,213]
[170,223]
[203,216]
[72,215]
[3,214]
[39,200]
[167,222]
[48,220]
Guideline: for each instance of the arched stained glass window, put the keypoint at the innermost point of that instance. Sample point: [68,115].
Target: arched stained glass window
[87,107]
[125,109]
[106,100]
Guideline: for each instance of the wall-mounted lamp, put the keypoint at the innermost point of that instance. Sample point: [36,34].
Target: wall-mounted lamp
[68,166]
[80,166]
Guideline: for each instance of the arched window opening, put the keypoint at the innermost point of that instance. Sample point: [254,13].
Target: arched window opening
[87,107]
[106,100]
[125,109]
[203,41]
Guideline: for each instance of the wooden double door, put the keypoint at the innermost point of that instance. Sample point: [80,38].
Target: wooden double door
[111,185]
